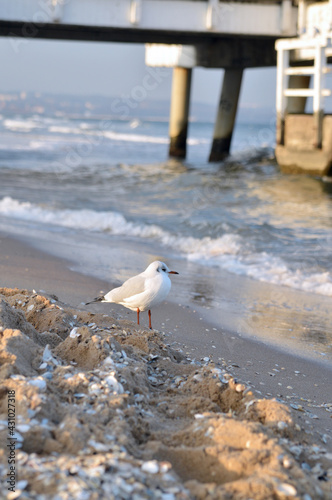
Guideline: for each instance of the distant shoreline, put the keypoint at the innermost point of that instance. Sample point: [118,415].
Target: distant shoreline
[94,106]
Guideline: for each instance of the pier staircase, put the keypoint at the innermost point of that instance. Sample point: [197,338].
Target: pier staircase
[304,129]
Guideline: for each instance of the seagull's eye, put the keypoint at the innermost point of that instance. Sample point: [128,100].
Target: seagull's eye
[163,269]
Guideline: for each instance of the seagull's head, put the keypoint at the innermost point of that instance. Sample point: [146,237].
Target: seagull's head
[159,267]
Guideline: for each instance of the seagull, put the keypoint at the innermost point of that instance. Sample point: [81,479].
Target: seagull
[143,291]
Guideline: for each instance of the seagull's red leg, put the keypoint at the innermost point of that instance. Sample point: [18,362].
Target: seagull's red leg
[138,315]
[150,326]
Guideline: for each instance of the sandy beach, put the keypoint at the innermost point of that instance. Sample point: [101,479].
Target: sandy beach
[106,409]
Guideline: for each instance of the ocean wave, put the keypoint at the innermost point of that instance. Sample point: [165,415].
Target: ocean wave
[228,251]
[117,136]
[109,134]
[120,136]
[20,125]
[112,222]
[86,129]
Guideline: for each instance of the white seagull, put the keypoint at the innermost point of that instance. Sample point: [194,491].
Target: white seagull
[143,291]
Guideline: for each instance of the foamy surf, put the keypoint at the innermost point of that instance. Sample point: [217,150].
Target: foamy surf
[229,251]
[20,125]
[118,136]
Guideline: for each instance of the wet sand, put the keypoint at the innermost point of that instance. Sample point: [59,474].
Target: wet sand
[305,386]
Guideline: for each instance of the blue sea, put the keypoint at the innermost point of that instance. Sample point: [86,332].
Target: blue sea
[252,244]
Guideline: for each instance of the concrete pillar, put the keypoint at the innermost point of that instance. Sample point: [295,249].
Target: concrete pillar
[223,129]
[179,115]
[297,104]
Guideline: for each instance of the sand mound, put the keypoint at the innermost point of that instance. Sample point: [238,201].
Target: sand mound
[106,411]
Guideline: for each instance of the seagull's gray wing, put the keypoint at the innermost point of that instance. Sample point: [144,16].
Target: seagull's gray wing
[133,286]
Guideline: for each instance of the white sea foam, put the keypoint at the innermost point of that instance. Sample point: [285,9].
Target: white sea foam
[135,137]
[20,125]
[109,134]
[119,136]
[44,145]
[228,251]
[29,146]
[62,129]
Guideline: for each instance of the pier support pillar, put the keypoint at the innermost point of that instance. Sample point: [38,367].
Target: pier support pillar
[179,114]
[223,129]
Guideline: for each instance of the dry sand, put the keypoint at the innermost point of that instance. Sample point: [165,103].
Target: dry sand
[105,409]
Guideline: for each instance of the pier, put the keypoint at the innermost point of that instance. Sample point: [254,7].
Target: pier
[294,35]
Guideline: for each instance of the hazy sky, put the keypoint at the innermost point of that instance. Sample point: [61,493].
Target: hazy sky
[110,69]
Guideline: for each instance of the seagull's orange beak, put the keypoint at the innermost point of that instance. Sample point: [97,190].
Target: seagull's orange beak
[173,272]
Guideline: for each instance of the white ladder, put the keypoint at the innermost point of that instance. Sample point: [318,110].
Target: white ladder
[317,49]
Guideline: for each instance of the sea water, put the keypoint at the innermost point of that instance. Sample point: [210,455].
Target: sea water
[253,245]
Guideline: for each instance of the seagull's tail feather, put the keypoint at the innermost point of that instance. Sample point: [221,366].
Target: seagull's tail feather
[101,298]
